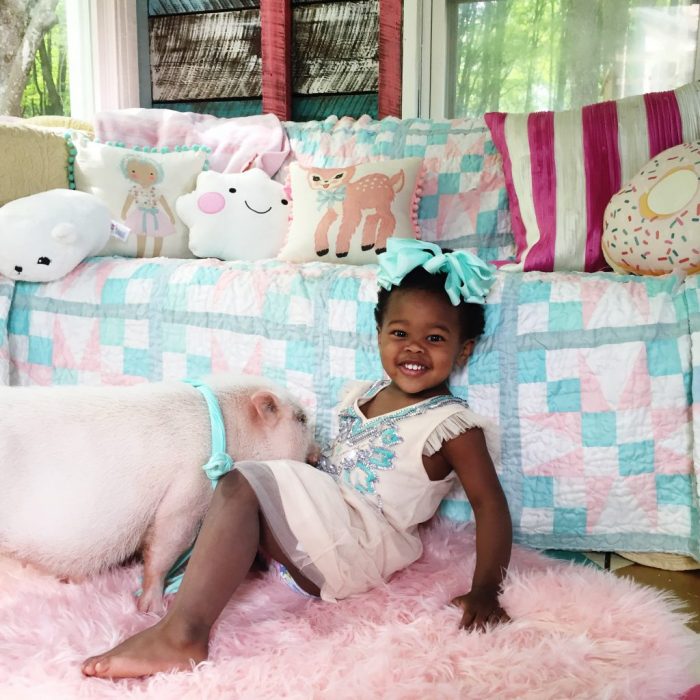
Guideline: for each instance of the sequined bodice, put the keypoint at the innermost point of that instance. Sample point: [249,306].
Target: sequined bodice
[378,457]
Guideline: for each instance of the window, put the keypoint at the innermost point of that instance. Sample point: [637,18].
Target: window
[467,57]
[46,90]
[87,57]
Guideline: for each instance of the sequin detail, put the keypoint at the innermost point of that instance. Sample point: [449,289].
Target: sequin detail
[365,445]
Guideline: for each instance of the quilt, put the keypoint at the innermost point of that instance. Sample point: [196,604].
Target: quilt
[587,378]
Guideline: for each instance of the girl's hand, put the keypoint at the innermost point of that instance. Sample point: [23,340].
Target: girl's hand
[480,607]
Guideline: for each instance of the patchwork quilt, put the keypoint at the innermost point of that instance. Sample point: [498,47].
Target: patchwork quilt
[588,379]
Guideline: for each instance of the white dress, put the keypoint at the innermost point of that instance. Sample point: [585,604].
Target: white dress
[350,527]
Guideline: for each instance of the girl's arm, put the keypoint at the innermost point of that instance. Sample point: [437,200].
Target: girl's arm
[127,203]
[166,207]
[469,457]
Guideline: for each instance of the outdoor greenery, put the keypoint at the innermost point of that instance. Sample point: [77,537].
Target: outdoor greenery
[47,89]
[520,55]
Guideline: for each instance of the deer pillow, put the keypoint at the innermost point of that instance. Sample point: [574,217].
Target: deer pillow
[235,216]
[346,214]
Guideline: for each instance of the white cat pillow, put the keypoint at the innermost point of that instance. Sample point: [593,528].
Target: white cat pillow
[235,216]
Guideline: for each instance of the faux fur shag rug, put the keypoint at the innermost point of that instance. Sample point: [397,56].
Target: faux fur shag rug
[577,632]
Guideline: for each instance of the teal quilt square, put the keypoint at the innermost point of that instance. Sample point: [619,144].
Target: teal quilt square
[569,521]
[61,375]
[174,338]
[472,163]
[299,355]
[18,322]
[365,324]
[486,222]
[564,395]
[448,183]
[566,316]
[538,492]
[484,368]
[673,489]
[599,429]
[428,207]
[414,150]
[531,292]
[40,351]
[206,275]
[663,357]
[532,366]
[114,291]
[198,366]
[345,288]
[636,457]
[147,271]
[112,331]
[367,365]
[136,362]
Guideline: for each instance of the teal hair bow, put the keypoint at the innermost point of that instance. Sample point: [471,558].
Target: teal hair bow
[469,278]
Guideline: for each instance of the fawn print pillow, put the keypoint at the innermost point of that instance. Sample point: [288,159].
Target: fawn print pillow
[346,214]
[140,187]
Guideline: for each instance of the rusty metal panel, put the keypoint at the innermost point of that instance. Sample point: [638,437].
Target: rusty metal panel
[335,47]
[206,56]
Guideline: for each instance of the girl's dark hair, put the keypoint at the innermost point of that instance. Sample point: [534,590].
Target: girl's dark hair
[471,316]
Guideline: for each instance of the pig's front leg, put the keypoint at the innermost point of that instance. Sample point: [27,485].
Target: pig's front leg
[172,531]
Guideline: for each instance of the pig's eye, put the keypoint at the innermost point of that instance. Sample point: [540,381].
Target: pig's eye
[301,417]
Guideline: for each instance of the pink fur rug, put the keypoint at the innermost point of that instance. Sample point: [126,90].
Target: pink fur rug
[577,632]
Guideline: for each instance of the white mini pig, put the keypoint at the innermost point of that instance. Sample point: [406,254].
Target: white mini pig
[90,475]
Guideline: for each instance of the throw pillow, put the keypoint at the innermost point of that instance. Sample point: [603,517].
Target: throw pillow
[652,226]
[140,187]
[346,214]
[562,168]
[33,160]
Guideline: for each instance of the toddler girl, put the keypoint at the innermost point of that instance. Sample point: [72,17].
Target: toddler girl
[346,526]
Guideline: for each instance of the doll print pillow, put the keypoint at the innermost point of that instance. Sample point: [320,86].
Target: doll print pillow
[140,187]
[652,226]
[346,214]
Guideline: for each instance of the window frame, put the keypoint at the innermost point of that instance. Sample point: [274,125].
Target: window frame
[105,57]
[426,71]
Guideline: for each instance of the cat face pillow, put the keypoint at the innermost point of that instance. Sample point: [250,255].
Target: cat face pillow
[346,214]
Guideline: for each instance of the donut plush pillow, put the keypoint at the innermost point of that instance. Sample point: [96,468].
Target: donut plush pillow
[652,226]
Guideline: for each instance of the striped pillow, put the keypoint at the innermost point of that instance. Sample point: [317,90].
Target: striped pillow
[562,168]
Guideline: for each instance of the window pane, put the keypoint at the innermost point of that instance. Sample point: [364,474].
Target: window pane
[46,90]
[524,55]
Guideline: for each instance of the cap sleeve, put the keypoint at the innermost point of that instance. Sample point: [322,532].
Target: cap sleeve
[451,427]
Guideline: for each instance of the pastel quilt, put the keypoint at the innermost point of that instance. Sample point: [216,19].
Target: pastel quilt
[588,378]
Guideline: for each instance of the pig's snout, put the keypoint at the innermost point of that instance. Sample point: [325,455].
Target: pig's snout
[314,454]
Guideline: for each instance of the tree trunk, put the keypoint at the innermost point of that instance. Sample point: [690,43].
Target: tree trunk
[23,24]
[54,103]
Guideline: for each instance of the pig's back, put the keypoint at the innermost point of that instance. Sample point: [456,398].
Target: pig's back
[82,470]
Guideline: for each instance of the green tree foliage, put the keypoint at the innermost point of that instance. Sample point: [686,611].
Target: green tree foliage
[47,89]
[524,55]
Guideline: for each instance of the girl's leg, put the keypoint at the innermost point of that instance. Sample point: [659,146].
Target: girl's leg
[221,558]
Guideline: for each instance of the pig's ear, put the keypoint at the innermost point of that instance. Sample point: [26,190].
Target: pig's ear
[267,405]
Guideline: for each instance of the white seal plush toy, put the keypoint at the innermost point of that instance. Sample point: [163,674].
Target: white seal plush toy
[45,235]
[235,216]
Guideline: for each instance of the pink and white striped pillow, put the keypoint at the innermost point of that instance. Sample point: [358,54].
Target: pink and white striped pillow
[562,168]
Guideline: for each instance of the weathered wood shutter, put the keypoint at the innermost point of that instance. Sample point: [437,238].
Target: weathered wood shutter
[299,59]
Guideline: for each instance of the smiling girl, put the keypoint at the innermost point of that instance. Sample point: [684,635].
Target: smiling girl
[347,526]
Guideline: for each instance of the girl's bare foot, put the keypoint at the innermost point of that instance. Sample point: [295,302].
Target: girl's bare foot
[163,647]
